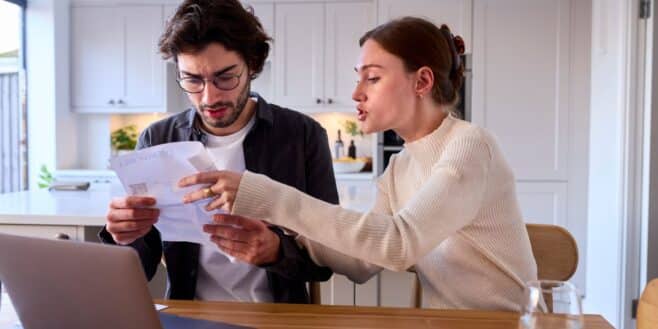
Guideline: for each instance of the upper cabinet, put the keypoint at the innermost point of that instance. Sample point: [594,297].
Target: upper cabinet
[457,14]
[265,82]
[316,48]
[535,91]
[115,64]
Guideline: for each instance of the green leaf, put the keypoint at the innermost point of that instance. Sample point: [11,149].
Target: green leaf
[124,138]
[45,177]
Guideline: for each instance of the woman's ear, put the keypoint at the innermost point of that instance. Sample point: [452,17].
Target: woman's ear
[424,81]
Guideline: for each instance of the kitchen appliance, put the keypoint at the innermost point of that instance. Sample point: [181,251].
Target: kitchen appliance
[389,143]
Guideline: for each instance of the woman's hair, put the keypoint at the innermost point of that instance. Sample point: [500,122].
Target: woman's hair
[418,42]
[197,23]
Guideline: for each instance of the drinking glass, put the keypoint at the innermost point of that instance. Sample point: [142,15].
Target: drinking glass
[551,304]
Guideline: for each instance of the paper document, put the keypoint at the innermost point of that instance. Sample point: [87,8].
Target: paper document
[160,307]
[155,171]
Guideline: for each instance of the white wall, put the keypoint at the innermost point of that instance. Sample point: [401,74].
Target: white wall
[48,115]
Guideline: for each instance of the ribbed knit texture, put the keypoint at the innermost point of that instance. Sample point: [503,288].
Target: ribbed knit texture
[446,205]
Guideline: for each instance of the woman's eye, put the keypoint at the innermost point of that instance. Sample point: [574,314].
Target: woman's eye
[373,79]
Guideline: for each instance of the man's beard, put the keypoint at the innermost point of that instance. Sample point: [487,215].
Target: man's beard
[234,110]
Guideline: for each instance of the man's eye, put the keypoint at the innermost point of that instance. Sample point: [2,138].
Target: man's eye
[373,79]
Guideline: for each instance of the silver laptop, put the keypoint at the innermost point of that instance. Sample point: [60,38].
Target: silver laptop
[70,285]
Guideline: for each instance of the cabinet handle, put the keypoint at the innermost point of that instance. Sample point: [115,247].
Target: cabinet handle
[111,102]
[62,236]
[121,102]
[318,101]
[330,101]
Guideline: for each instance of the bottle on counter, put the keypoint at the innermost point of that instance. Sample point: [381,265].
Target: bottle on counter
[351,150]
[339,147]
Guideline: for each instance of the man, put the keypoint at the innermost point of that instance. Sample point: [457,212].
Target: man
[219,48]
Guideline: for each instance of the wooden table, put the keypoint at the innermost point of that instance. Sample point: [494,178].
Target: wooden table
[325,317]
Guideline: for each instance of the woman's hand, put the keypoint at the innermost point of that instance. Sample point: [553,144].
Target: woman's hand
[223,188]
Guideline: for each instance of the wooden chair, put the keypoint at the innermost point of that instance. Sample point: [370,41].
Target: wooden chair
[555,251]
[647,309]
[314,292]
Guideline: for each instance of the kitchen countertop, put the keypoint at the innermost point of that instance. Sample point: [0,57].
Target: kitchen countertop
[43,207]
[88,208]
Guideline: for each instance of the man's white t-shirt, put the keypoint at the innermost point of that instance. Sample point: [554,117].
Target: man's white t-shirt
[218,278]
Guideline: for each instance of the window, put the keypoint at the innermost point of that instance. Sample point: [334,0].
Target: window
[13,128]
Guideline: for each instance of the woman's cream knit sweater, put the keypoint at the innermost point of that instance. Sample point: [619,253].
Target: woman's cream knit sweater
[446,205]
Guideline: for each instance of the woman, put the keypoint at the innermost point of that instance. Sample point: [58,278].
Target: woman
[446,204]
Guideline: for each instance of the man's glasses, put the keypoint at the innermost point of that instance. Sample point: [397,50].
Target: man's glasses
[224,82]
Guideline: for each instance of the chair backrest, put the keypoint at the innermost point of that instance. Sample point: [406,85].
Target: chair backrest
[647,309]
[555,251]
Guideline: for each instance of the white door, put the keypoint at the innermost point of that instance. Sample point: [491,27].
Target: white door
[144,66]
[456,14]
[345,23]
[299,55]
[96,58]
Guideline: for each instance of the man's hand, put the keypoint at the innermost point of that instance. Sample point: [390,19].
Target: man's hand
[249,240]
[130,218]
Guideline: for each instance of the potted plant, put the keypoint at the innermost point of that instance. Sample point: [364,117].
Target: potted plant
[45,177]
[124,139]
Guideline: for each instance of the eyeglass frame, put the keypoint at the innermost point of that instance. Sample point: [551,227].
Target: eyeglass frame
[205,81]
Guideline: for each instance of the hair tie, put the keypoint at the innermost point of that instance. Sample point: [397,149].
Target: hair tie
[456,45]
[460,45]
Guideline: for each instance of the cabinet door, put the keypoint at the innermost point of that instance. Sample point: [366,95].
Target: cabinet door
[168,13]
[144,67]
[264,83]
[299,55]
[96,58]
[396,288]
[457,14]
[345,24]
[524,102]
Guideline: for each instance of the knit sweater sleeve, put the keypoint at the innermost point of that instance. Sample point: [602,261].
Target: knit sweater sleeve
[355,269]
[448,201]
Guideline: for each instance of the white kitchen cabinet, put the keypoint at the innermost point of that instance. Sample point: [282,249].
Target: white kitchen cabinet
[316,48]
[264,84]
[543,202]
[115,64]
[457,14]
[528,91]
[530,87]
